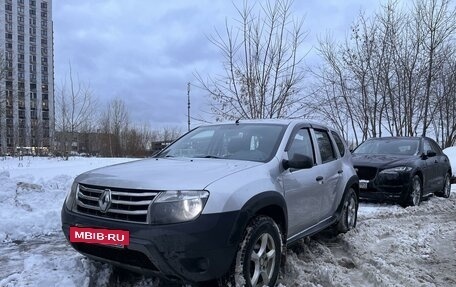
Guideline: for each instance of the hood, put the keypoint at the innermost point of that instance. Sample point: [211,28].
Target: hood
[381,160]
[165,173]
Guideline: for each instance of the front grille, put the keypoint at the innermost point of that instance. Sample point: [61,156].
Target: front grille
[125,256]
[126,204]
[366,172]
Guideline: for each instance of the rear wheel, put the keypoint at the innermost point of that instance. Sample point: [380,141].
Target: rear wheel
[349,213]
[258,258]
[446,190]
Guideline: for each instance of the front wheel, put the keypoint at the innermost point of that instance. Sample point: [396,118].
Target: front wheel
[349,213]
[415,192]
[258,258]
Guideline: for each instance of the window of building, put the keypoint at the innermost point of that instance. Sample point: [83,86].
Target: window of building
[21,114]
[9,27]
[32,76]
[44,33]
[44,5]
[20,19]
[44,51]
[33,105]
[32,39]
[21,85]
[20,47]
[20,66]
[20,38]
[32,12]
[44,78]
[9,55]
[8,7]
[32,48]
[9,36]
[20,9]
[45,96]
[21,57]
[44,88]
[45,115]
[33,3]
[43,41]
[33,116]
[9,84]
[44,24]
[32,21]
[45,105]
[43,14]
[9,17]
[21,76]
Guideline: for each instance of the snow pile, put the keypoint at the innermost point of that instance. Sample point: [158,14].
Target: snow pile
[33,191]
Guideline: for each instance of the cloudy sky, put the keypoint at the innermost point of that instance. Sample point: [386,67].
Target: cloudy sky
[146,52]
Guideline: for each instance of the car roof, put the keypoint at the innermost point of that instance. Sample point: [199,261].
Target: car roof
[275,121]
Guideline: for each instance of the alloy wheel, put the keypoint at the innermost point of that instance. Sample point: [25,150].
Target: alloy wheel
[262,260]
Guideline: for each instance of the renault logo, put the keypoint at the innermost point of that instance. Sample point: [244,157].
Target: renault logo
[105,200]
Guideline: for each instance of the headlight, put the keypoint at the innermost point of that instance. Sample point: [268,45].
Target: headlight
[396,170]
[71,196]
[177,206]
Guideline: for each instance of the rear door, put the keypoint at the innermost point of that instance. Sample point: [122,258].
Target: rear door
[330,167]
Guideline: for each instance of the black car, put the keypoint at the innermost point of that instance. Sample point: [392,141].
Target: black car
[403,169]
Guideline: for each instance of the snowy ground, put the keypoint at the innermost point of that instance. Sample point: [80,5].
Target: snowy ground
[391,246]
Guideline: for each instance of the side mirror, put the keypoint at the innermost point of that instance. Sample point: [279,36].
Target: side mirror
[299,161]
[430,153]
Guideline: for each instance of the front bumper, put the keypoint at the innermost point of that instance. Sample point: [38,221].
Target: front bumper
[195,251]
[386,187]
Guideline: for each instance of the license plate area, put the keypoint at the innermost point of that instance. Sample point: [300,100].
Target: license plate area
[363,183]
[111,237]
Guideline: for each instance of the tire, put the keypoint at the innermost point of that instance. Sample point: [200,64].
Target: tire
[349,214]
[258,258]
[446,190]
[415,192]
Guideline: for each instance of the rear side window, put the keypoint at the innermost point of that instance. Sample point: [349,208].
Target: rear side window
[339,143]
[324,144]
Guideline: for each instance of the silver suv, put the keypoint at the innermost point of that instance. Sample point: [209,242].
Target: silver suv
[221,203]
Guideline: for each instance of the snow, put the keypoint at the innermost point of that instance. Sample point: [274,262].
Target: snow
[391,246]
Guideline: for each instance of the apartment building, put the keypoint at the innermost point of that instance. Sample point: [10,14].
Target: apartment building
[27,76]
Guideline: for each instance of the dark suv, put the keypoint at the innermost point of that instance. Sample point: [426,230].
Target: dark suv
[221,203]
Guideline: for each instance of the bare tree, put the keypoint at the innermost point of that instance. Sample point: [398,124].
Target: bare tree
[439,23]
[75,107]
[115,122]
[262,64]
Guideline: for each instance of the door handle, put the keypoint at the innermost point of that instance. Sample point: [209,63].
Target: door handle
[319,178]
[340,171]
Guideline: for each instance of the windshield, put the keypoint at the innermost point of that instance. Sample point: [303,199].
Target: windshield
[253,142]
[389,146]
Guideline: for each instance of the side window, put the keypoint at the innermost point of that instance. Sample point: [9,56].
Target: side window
[436,147]
[339,143]
[324,144]
[427,146]
[301,144]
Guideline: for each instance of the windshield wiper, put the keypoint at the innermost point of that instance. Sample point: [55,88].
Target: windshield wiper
[207,156]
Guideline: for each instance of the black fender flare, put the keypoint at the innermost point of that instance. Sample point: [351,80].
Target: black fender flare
[352,182]
[271,203]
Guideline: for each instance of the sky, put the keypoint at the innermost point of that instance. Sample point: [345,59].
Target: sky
[145,52]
